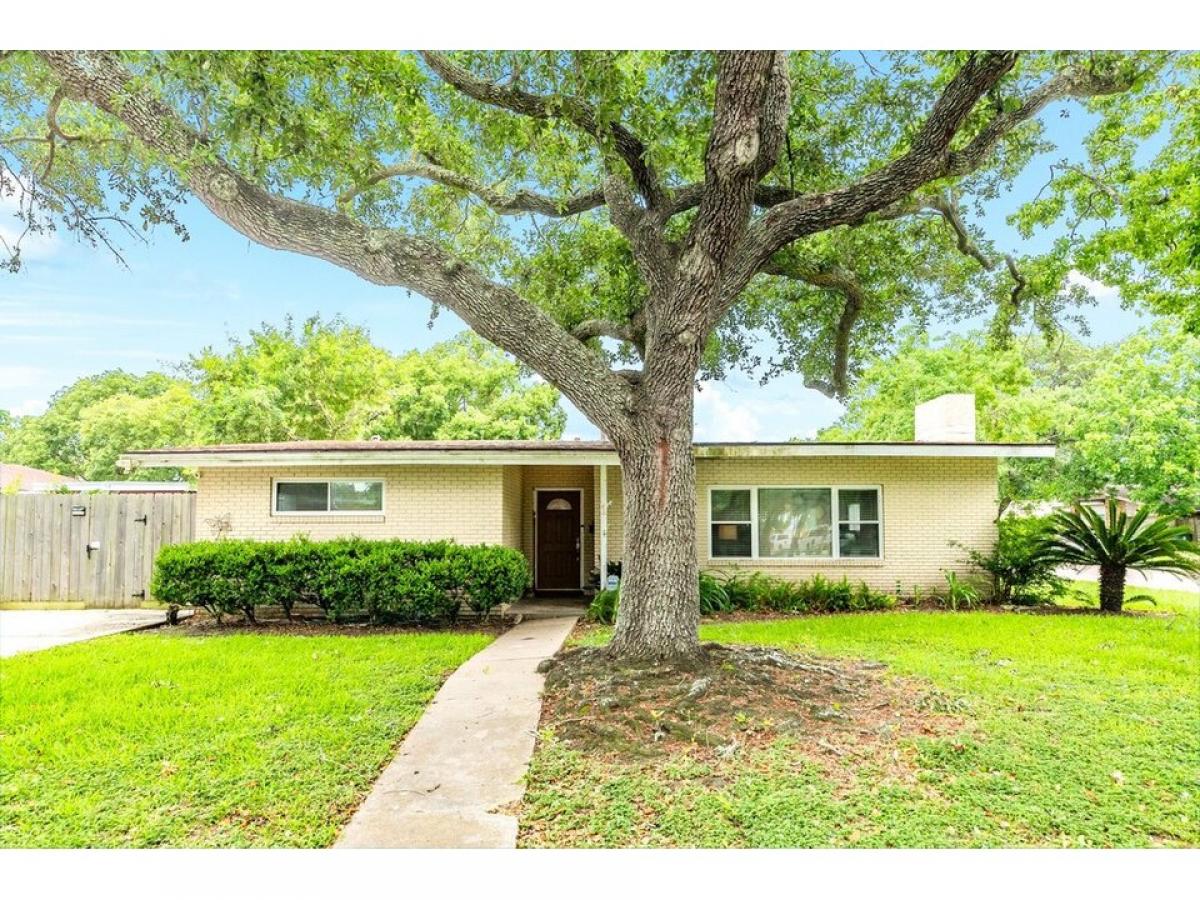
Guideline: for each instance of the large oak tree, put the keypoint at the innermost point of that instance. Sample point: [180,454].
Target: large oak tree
[624,223]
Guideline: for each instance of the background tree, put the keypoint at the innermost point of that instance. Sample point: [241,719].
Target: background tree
[81,432]
[681,182]
[6,427]
[1126,416]
[466,389]
[321,381]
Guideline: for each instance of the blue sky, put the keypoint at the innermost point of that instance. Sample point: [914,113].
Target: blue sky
[73,310]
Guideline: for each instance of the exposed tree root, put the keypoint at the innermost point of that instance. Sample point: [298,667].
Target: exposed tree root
[838,712]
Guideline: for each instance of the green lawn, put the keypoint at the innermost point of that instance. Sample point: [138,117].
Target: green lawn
[1165,600]
[169,739]
[1079,731]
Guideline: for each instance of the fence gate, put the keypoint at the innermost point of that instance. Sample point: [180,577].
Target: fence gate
[92,549]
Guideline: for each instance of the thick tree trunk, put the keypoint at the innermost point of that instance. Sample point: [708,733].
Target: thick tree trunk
[1112,588]
[659,615]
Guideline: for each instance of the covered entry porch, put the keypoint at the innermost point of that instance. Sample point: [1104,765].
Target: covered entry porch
[553,514]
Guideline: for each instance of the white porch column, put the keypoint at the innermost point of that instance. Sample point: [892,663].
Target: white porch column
[602,506]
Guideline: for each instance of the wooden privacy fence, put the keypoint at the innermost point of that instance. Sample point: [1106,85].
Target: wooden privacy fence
[92,549]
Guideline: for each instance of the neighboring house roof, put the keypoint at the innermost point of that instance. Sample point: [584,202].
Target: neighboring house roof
[526,452]
[29,478]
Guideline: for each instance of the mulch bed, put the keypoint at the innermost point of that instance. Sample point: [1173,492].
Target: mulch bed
[837,713]
[202,624]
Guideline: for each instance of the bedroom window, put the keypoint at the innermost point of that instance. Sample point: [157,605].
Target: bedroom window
[347,496]
[802,522]
[858,522]
[730,523]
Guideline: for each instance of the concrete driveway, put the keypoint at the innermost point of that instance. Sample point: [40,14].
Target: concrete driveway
[1151,578]
[24,630]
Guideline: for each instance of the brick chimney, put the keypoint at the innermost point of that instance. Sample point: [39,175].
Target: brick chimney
[949,418]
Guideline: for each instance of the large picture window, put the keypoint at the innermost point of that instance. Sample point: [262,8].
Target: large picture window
[346,496]
[794,522]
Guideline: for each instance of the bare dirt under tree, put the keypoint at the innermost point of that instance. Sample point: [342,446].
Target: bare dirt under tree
[837,713]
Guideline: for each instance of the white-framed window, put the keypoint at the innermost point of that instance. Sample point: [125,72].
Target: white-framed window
[795,522]
[326,496]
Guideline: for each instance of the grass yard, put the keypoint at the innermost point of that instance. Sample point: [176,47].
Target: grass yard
[1072,731]
[177,740]
[1165,599]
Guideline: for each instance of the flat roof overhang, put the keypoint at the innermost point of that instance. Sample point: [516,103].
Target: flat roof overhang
[562,453]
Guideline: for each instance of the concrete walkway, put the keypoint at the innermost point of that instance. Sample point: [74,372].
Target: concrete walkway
[467,756]
[24,630]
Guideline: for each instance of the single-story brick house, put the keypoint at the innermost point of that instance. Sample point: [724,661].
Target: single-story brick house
[883,513]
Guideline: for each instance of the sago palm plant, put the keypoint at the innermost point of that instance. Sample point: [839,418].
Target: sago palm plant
[1117,542]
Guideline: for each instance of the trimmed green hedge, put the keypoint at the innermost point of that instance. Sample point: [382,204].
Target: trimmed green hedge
[386,581]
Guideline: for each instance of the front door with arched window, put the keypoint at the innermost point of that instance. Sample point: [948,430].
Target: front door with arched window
[558,540]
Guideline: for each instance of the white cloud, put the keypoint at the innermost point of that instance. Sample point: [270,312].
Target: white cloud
[1098,289]
[20,376]
[717,419]
[29,407]
[740,409]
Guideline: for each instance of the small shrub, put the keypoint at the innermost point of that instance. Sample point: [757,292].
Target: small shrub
[603,608]
[1018,567]
[713,596]
[959,593]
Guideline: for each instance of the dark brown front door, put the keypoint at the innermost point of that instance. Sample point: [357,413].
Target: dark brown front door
[558,540]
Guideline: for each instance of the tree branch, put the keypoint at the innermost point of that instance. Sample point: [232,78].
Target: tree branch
[504,203]
[629,332]
[537,106]
[927,159]
[844,282]
[945,206]
[382,256]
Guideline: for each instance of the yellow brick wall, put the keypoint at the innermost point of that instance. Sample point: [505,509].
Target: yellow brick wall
[420,503]
[513,487]
[927,503]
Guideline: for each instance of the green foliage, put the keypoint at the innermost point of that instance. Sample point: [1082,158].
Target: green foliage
[1077,731]
[1018,566]
[89,423]
[960,593]
[466,389]
[319,381]
[164,739]
[1125,415]
[321,125]
[1118,541]
[760,592]
[714,598]
[603,608]
[757,591]
[1082,537]
[385,581]
[6,427]
[1131,204]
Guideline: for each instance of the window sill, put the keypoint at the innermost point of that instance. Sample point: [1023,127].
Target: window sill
[848,562]
[342,518]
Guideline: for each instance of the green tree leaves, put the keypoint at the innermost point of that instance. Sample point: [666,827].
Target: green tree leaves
[1125,416]
[321,380]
